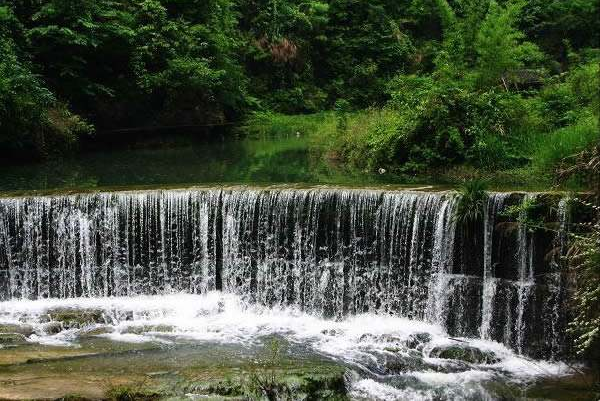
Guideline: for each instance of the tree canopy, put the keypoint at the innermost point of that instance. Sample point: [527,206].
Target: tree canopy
[460,75]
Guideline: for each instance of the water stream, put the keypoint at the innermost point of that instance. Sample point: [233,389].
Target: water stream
[383,281]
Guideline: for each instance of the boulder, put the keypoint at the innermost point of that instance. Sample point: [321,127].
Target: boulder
[158,328]
[464,353]
[332,332]
[390,339]
[52,328]
[383,338]
[418,340]
[401,363]
[367,337]
[96,331]
[23,329]
[76,318]
[12,339]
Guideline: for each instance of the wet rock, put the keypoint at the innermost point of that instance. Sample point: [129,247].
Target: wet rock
[464,353]
[96,331]
[332,332]
[418,340]
[400,363]
[23,329]
[388,338]
[12,339]
[43,318]
[374,363]
[158,328]
[52,328]
[367,338]
[76,318]
[384,338]
[405,351]
[127,316]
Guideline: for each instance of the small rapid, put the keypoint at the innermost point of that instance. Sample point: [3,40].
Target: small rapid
[388,357]
[386,283]
[331,253]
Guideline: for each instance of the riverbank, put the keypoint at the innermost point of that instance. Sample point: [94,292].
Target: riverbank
[278,150]
[350,139]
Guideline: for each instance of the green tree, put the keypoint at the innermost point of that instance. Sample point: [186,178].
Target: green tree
[283,42]
[188,65]
[92,39]
[367,44]
[32,123]
[556,25]
[500,46]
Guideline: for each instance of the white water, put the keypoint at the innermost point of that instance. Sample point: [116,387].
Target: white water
[329,252]
[364,342]
[494,206]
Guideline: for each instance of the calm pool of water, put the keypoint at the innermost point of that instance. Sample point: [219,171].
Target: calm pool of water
[188,160]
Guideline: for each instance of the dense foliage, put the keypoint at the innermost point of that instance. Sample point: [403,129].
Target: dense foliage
[494,100]
[414,85]
[116,64]
[395,86]
[584,257]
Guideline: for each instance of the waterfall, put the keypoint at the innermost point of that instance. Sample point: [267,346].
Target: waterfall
[107,244]
[525,278]
[495,204]
[329,252]
[555,306]
[442,264]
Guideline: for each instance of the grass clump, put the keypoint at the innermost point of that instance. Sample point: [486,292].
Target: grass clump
[73,397]
[131,393]
[269,124]
[273,378]
[550,150]
[266,380]
[472,202]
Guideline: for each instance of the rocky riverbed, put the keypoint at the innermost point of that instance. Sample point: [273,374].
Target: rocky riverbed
[217,346]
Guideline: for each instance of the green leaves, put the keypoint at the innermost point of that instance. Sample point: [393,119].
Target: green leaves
[500,46]
[459,80]
[472,202]
[23,99]
[187,63]
[584,258]
[32,123]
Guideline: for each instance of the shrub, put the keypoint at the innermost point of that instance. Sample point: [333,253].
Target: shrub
[266,381]
[585,260]
[269,124]
[430,124]
[551,149]
[472,202]
[32,122]
[133,393]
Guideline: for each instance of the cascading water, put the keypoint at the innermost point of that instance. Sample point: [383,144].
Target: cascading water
[494,205]
[525,281]
[328,252]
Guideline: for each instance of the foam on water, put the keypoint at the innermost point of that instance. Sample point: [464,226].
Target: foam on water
[370,389]
[331,252]
[363,342]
